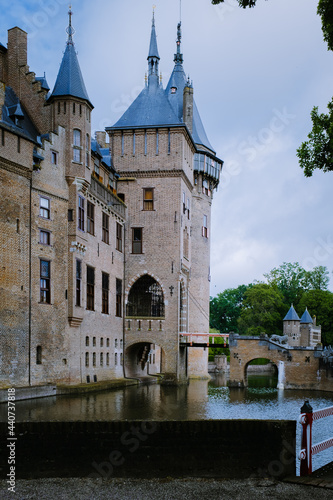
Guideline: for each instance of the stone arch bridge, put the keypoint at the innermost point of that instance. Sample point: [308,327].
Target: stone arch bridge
[299,367]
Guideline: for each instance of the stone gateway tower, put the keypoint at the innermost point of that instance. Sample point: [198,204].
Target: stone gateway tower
[168,171]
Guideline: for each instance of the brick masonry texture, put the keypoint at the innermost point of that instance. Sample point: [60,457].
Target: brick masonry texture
[142,449]
[63,339]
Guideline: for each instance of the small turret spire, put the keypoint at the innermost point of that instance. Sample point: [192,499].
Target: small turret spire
[153,55]
[178,59]
[70,30]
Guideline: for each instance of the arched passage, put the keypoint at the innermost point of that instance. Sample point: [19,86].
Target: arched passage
[261,372]
[143,359]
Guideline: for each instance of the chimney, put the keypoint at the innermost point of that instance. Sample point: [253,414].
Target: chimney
[101,139]
[188,105]
[17,46]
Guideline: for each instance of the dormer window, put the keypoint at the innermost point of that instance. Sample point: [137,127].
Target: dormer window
[16,114]
[173,90]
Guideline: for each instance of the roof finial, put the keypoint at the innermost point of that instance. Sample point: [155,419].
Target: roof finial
[180,11]
[70,30]
[154,7]
[178,58]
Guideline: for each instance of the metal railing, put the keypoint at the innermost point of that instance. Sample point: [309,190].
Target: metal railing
[307,417]
[206,337]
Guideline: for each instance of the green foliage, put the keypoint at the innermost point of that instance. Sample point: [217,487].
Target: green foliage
[320,304]
[289,278]
[242,3]
[293,280]
[317,279]
[325,11]
[317,152]
[259,361]
[225,309]
[262,310]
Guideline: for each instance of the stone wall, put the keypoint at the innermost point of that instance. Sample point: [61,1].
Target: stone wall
[302,367]
[218,448]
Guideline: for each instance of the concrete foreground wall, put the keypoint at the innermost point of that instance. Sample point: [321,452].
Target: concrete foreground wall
[146,449]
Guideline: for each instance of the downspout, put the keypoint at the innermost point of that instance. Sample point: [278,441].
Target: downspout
[124,308]
[30,283]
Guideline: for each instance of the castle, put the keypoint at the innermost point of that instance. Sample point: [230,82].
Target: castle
[105,243]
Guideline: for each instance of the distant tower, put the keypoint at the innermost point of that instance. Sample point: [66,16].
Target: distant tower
[291,327]
[310,333]
[168,171]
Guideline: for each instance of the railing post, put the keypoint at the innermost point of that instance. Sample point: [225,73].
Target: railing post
[306,442]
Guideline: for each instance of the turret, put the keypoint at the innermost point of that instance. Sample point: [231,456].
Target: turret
[71,109]
[291,327]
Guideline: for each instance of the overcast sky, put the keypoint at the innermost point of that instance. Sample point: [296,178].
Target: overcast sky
[256,74]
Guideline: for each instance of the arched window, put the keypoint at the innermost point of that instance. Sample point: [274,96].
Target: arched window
[145,298]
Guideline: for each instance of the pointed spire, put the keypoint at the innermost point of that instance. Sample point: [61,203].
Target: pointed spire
[69,80]
[306,318]
[153,56]
[153,50]
[70,30]
[291,315]
[178,59]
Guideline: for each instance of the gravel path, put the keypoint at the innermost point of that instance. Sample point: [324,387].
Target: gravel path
[160,489]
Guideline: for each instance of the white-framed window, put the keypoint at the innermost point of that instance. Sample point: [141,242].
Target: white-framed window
[205,230]
[77,145]
[44,207]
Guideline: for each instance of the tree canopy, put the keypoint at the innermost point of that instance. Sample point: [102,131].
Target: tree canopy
[317,151]
[261,311]
[261,307]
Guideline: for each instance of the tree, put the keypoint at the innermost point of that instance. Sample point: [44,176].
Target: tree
[320,304]
[262,310]
[317,279]
[293,280]
[242,3]
[225,309]
[317,152]
[289,278]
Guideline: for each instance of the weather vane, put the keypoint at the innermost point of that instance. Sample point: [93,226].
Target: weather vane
[70,30]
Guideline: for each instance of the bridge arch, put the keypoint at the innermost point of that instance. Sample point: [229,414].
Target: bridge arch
[297,366]
[247,372]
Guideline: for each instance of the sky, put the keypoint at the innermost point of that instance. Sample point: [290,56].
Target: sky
[257,74]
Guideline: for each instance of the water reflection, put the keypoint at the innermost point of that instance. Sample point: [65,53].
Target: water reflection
[198,400]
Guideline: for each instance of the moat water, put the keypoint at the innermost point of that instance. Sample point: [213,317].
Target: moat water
[198,400]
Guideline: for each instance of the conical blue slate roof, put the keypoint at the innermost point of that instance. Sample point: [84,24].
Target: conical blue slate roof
[69,80]
[291,315]
[306,318]
[150,109]
[178,81]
